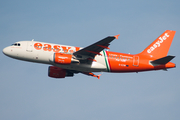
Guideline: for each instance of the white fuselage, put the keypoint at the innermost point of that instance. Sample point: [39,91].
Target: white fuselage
[28,51]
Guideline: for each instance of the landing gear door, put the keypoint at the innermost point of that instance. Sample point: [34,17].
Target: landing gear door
[136,61]
[29,47]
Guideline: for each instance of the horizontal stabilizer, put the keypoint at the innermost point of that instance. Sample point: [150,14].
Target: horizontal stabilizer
[162,61]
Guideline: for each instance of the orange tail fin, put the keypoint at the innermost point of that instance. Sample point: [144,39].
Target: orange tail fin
[160,47]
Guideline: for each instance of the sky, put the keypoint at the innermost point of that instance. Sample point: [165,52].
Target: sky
[26,91]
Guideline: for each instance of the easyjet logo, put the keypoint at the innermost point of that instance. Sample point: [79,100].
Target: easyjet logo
[158,43]
[55,48]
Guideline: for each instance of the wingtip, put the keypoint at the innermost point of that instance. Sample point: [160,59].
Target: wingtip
[116,36]
[98,76]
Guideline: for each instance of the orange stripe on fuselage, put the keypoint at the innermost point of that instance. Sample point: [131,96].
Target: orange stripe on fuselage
[120,62]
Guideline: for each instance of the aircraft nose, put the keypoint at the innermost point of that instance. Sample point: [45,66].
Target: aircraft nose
[6,51]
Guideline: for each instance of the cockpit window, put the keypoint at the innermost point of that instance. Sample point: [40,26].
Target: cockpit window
[16,44]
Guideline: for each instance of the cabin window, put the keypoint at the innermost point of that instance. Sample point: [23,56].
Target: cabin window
[16,44]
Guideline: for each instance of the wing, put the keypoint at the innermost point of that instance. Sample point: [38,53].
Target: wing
[96,48]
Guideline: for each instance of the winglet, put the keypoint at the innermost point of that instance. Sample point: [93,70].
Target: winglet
[98,76]
[116,36]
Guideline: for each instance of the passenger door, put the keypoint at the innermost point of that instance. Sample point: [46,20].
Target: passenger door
[29,47]
[136,61]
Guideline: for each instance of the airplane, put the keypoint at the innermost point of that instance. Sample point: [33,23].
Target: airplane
[66,60]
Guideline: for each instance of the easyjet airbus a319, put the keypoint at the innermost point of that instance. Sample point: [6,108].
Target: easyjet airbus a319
[66,61]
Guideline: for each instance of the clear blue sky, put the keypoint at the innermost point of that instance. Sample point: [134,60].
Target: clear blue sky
[26,91]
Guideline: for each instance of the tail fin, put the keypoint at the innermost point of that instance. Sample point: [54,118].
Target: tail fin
[160,47]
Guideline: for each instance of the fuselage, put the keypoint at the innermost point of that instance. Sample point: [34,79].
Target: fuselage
[106,61]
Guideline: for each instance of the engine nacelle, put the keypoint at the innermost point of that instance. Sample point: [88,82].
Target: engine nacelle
[56,72]
[64,59]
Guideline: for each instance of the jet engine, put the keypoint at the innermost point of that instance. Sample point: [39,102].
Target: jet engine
[56,72]
[64,59]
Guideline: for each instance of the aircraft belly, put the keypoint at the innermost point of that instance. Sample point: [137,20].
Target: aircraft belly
[95,67]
